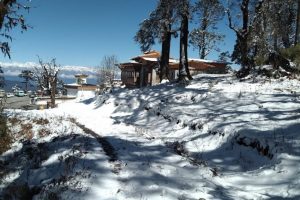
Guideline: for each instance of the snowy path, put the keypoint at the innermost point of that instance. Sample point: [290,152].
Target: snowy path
[149,168]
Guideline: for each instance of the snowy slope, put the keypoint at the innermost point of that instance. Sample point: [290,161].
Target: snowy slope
[217,138]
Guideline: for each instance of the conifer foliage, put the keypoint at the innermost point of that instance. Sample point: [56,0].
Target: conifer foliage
[11,17]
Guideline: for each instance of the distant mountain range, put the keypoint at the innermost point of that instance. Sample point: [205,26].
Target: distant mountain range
[12,70]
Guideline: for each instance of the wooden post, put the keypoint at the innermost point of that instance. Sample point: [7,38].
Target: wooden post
[142,75]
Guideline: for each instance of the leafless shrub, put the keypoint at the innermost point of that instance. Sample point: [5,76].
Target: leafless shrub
[14,120]
[5,139]
[43,132]
[26,131]
[41,121]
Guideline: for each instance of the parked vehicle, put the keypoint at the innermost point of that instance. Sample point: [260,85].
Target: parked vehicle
[20,93]
[9,94]
[2,93]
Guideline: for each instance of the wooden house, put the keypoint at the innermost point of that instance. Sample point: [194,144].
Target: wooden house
[197,66]
[143,70]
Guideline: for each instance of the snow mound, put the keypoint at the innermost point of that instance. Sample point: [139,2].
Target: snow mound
[216,138]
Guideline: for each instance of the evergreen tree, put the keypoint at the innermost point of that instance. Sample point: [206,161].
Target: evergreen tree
[159,26]
[10,18]
[205,38]
[273,29]
[249,11]
[184,13]
[297,34]
[27,75]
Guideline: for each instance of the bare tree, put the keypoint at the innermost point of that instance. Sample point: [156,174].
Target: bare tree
[108,71]
[47,77]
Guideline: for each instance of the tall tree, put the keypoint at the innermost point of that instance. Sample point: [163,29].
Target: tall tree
[205,38]
[184,13]
[27,75]
[2,80]
[159,26]
[281,20]
[10,18]
[297,34]
[273,29]
[249,10]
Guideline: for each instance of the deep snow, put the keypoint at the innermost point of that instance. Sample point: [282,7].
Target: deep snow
[217,138]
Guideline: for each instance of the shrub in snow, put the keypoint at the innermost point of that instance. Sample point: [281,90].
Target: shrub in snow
[5,139]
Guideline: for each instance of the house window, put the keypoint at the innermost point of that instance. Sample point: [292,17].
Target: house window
[128,74]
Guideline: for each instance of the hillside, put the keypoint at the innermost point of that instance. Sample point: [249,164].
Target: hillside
[217,138]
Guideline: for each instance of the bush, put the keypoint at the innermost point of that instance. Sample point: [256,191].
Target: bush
[293,54]
[5,139]
[260,60]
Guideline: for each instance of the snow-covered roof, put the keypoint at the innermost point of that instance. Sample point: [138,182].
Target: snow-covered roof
[150,59]
[72,84]
[205,61]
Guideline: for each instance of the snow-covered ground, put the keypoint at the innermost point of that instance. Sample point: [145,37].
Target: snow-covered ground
[217,138]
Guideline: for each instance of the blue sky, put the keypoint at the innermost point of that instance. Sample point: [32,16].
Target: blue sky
[81,32]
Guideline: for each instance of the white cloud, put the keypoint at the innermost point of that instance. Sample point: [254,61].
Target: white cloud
[18,64]
[15,68]
[78,68]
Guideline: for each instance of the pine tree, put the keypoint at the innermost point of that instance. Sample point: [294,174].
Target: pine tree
[184,13]
[27,75]
[205,38]
[297,34]
[10,18]
[159,26]
[241,48]
[273,29]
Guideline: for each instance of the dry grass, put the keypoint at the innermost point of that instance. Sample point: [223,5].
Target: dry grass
[41,121]
[14,120]
[44,132]
[26,130]
[5,139]
[5,142]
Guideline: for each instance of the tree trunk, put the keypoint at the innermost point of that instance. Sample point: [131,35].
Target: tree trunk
[165,56]
[142,71]
[297,35]
[245,70]
[243,38]
[203,49]
[26,85]
[184,72]
[204,30]
[166,43]
[53,90]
